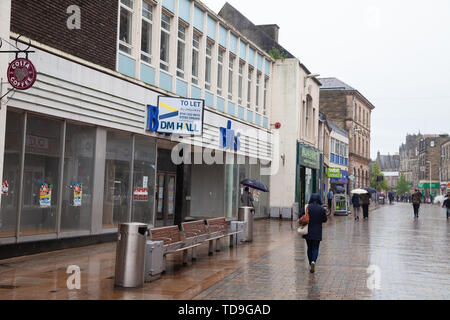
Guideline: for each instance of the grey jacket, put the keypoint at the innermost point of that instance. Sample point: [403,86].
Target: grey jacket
[247,199]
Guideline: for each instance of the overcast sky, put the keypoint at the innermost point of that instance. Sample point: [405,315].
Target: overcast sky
[396,53]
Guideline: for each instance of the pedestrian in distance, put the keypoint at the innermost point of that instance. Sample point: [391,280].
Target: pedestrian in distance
[446,204]
[356,206]
[416,200]
[330,200]
[365,201]
[431,199]
[247,198]
[317,216]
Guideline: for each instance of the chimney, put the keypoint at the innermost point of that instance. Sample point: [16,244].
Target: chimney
[272,30]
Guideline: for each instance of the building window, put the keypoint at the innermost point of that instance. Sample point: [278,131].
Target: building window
[266,84]
[195,55]
[209,46]
[146,32]
[249,87]
[241,72]
[181,50]
[126,26]
[165,40]
[230,77]
[307,116]
[258,84]
[220,71]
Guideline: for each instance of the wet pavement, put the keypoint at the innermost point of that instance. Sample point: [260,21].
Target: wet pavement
[394,255]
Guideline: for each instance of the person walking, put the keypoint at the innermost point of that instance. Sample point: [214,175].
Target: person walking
[416,199]
[330,200]
[446,204]
[317,216]
[356,206]
[365,201]
[247,198]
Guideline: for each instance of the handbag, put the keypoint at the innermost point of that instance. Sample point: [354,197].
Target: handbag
[303,223]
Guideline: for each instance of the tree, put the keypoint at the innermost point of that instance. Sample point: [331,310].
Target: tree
[374,183]
[402,185]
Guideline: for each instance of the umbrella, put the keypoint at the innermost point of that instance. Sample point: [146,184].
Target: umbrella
[255,184]
[359,191]
[370,190]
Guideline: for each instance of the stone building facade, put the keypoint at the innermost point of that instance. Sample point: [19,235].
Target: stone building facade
[390,167]
[445,166]
[351,111]
[409,159]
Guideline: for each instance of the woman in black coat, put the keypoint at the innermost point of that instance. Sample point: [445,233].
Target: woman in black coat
[317,216]
[356,206]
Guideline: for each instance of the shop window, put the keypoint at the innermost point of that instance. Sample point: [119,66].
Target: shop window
[78,183]
[144,179]
[117,179]
[41,176]
[11,174]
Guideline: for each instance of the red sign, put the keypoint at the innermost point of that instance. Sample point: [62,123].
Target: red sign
[5,187]
[21,74]
[140,194]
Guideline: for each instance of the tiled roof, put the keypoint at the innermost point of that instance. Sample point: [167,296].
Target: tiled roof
[334,84]
[336,128]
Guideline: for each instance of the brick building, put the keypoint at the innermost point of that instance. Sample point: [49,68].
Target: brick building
[409,159]
[351,111]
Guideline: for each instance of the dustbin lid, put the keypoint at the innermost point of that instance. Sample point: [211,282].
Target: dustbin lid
[133,228]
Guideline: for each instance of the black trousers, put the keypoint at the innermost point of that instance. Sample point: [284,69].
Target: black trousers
[416,209]
[365,208]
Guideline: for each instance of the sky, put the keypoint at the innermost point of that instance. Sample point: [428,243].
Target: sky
[395,53]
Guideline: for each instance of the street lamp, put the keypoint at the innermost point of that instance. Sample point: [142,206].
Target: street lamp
[309,76]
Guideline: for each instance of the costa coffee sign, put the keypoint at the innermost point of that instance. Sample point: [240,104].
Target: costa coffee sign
[21,74]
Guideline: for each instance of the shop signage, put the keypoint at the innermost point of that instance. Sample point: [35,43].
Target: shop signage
[140,194]
[334,173]
[179,116]
[37,142]
[448,185]
[45,195]
[308,156]
[21,74]
[5,187]
[343,178]
[228,139]
[426,185]
[77,194]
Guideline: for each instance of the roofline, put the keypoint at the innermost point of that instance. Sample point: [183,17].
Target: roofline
[353,92]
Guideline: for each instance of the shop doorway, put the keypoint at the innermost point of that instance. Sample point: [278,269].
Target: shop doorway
[166,183]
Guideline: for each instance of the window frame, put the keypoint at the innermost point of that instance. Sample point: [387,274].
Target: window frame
[182,41]
[147,55]
[122,43]
[165,65]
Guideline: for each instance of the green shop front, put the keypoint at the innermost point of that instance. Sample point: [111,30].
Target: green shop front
[307,173]
[425,187]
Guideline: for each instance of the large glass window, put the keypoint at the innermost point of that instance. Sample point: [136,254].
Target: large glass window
[117,179]
[78,183]
[249,87]
[165,40]
[11,174]
[266,85]
[208,65]
[144,179]
[195,53]
[241,71]
[181,50]
[126,26]
[41,176]
[258,84]
[146,32]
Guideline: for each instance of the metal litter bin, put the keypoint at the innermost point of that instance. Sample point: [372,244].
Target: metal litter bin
[246,214]
[130,255]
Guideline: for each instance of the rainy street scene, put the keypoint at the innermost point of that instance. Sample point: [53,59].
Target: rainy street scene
[224,158]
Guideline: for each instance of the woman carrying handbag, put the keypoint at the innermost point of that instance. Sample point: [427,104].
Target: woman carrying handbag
[315,213]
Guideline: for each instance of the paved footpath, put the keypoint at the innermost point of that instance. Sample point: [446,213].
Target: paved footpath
[399,257]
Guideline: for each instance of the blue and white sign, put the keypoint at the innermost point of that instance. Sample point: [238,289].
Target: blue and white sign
[179,116]
[228,139]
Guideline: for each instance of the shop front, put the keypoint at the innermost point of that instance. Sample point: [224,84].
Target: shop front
[427,187]
[307,173]
[338,180]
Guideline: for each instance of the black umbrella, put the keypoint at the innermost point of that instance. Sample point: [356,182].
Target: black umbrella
[370,190]
[255,184]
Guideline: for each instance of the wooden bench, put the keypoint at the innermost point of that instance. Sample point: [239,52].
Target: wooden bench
[218,229]
[195,232]
[174,241]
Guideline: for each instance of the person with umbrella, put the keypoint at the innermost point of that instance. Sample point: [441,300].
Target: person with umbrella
[365,201]
[356,202]
[416,201]
[247,198]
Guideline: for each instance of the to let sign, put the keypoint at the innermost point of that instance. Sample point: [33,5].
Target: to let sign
[21,74]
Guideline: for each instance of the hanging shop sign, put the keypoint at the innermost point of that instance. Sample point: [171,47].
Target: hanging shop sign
[228,139]
[21,74]
[334,173]
[5,187]
[77,194]
[308,156]
[45,195]
[343,178]
[180,116]
[426,185]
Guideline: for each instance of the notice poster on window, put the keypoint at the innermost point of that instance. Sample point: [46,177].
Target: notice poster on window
[45,195]
[77,194]
[255,195]
[140,194]
[5,187]
[171,194]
